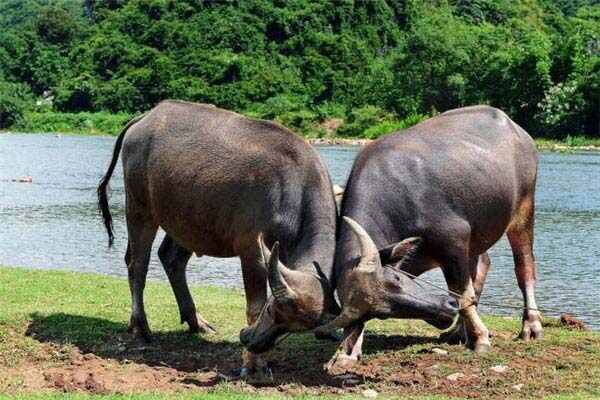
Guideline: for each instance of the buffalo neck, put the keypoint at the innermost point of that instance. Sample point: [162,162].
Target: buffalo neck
[315,236]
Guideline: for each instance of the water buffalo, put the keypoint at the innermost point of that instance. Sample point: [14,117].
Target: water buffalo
[439,194]
[223,185]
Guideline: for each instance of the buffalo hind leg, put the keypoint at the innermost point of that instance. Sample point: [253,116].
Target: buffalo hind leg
[458,334]
[458,277]
[254,274]
[174,259]
[520,236]
[141,233]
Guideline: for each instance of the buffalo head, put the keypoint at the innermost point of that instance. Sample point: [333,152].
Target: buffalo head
[301,300]
[375,287]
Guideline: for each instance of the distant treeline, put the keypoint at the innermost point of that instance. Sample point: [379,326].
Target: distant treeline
[353,68]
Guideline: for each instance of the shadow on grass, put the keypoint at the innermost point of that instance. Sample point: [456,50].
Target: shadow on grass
[299,359]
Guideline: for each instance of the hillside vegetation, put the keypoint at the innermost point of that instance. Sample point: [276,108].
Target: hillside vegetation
[349,68]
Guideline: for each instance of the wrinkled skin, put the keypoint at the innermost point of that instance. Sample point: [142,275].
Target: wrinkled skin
[458,182]
[216,181]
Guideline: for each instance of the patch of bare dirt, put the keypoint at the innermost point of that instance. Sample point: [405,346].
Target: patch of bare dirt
[93,374]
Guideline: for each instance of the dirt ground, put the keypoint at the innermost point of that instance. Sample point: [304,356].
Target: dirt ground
[392,364]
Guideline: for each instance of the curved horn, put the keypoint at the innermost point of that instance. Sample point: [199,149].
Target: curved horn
[369,255]
[279,287]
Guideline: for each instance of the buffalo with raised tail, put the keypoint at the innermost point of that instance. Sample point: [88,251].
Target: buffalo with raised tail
[223,185]
[439,194]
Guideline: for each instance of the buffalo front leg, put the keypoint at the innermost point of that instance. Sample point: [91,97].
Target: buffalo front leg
[174,259]
[349,351]
[458,334]
[255,286]
[520,236]
[458,276]
[141,233]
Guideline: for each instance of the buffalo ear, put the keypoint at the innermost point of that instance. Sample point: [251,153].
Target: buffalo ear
[400,251]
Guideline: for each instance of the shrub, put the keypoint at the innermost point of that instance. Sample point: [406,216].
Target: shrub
[76,94]
[12,104]
[84,122]
[301,121]
[55,25]
[560,109]
[362,119]
[389,126]
[279,105]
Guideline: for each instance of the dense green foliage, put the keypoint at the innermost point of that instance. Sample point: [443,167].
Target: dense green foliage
[80,122]
[303,62]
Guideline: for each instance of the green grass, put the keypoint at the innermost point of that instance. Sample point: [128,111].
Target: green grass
[50,319]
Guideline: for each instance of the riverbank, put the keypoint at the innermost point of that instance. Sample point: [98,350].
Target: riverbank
[103,123]
[66,332]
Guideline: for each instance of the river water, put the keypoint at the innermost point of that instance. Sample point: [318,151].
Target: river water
[52,223]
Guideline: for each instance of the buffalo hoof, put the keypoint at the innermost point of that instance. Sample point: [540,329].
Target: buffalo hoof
[482,347]
[140,329]
[257,376]
[532,328]
[198,324]
[340,364]
[255,369]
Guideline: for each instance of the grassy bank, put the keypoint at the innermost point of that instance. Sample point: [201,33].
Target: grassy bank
[104,123]
[66,332]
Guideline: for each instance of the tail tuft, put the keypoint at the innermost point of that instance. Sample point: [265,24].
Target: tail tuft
[103,186]
[103,208]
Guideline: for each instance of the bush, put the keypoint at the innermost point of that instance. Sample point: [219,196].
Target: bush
[279,105]
[55,25]
[76,94]
[362,119]
[560,109]
[84,122]
[301,121]
[11,111]
[389,126]
[12,104]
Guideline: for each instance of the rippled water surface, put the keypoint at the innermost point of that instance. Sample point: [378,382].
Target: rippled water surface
[52,222]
